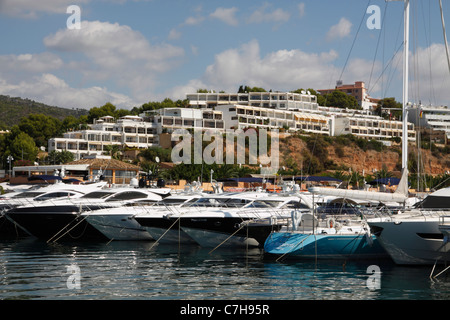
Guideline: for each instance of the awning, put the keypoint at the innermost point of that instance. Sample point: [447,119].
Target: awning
[316,179]
[387,181]
[249,180]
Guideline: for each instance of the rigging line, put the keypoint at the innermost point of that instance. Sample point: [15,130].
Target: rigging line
[392,71]
[67,225]
[157,241]
[415,88]
[445,35]
[388,64]
[393,68]
[432,93]
[428,42]
[231,235]
[84,218]
[378,44]
[294,248]
[354,40]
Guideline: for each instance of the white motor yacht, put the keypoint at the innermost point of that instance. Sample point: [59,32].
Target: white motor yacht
[164,226]
[249,225]
[38,194]
[417,236]
[54,220]
[228,219]
[119,223]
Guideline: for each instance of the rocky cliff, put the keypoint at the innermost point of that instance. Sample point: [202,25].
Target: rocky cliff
[295,151]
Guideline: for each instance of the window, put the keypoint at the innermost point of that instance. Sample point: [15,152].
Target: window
[27,195]
[295,205]
[97,194]
[54,195]
[264,204]
[128,195]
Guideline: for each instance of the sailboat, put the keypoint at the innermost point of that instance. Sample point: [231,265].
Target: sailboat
[348,238]
[418,236]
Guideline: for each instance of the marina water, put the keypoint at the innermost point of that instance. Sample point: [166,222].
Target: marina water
[34,270]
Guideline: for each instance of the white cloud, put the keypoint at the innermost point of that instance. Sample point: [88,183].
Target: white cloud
[227,15]
[301,9]
[192,21]
[99,55]
[31,8]
[117,52]
[29,63]
[179,92]
[260,15]
[279,70]
[340,30]
[430,78]
[282,70]
[194,50]
[174,34]
[50,89]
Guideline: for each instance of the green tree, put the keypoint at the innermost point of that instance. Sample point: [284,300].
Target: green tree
[57,157]
[23,147]
[150,154]
[106,110]
[340,99]
[388,106]
[113,150]
[41,128]
[244,89]
[321,100]
[155,105]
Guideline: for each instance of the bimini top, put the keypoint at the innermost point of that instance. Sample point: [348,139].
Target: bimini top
[387,181]
[44,177]
[439,199]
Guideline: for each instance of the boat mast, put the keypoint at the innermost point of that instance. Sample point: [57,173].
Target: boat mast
[405,87]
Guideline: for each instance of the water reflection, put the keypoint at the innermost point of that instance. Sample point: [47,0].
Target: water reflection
[31,269]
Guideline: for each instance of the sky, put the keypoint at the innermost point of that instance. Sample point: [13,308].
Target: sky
[129,52]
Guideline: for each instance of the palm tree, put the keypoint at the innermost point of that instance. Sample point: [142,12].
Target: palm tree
[113,150]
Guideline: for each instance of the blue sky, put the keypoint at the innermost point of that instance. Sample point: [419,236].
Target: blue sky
[129,52]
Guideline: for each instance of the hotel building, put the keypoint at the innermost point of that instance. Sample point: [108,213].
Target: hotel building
[433,117]
[357,90]
[131,131]
[273,100]
[220,111]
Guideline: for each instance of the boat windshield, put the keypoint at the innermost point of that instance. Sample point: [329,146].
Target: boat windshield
[175,201]
[264,204]
[220,202]
[31,194]
[434,202]
[54,195]
[97,194]
[295,205]
[128,195]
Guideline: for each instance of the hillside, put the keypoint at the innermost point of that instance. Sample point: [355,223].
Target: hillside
[341,154]
[12,109]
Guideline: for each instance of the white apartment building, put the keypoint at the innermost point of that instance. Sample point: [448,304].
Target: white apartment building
[242,116]
[130,131]
[134,131]
[371,127]
[435,117]
[273,100]
[169,119]
[270,110]
[333,123]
